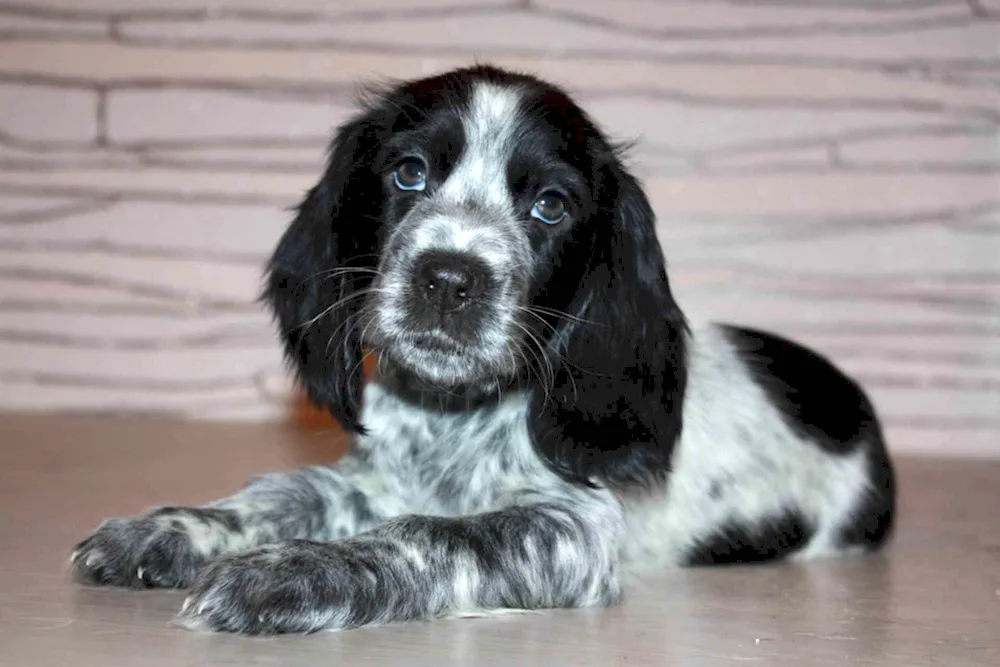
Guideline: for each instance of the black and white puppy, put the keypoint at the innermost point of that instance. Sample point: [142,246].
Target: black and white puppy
[544,423]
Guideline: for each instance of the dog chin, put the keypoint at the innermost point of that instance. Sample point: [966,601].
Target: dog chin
[445,367]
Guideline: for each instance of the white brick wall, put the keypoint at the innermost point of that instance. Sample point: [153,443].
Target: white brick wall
[828,170]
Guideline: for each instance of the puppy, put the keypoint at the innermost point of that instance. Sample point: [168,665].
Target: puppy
[544,422]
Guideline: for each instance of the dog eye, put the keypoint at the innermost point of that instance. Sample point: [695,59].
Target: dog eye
[411,174]
[550,208]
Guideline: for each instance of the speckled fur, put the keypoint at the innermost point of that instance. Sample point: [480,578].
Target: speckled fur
[620,441]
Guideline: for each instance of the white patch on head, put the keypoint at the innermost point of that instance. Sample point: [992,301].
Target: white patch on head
[471,213]
[475,201]
[490,126]
[463,230]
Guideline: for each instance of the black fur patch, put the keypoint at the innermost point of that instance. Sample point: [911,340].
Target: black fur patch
[825,406]
[741,543]
[612,413]
[818,401]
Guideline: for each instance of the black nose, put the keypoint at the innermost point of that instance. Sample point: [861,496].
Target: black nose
[450,281]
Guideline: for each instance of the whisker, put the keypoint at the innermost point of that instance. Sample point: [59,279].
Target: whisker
[360,365]
[562,315]
[380,368]
[539,318]
[541,358]
[328,274]
[341,270]
[364,331]
[336,304]
[559,357]
[528,366]
[350,323]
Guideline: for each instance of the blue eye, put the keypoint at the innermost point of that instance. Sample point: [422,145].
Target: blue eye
[411,174]
[550,208]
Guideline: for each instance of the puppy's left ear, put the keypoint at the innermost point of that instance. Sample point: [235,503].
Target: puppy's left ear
[614,411]
[318,274]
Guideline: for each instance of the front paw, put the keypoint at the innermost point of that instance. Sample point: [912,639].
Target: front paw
[163,549]
[287,587]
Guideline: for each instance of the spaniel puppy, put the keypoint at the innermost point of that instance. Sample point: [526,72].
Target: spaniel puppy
[544,423]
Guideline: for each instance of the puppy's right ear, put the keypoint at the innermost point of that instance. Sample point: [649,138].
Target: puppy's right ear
[317,277]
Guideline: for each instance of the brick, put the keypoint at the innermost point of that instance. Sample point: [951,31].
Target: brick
[48,114]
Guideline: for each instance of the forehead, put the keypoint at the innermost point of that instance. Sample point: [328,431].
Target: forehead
[489,139]
[493,110]
[436,108]
[489,124]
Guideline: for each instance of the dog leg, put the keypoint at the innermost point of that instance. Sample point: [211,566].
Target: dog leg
[167,547]
[552,553]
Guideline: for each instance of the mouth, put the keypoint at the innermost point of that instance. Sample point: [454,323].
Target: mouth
[438,360]
[435,342]
[431,356]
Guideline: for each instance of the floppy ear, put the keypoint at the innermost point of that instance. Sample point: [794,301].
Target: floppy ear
[614,412]
[313,284]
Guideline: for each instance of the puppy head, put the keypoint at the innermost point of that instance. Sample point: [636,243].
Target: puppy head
[472,228]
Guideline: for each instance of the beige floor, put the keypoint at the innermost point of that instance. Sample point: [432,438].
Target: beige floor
[933,599]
